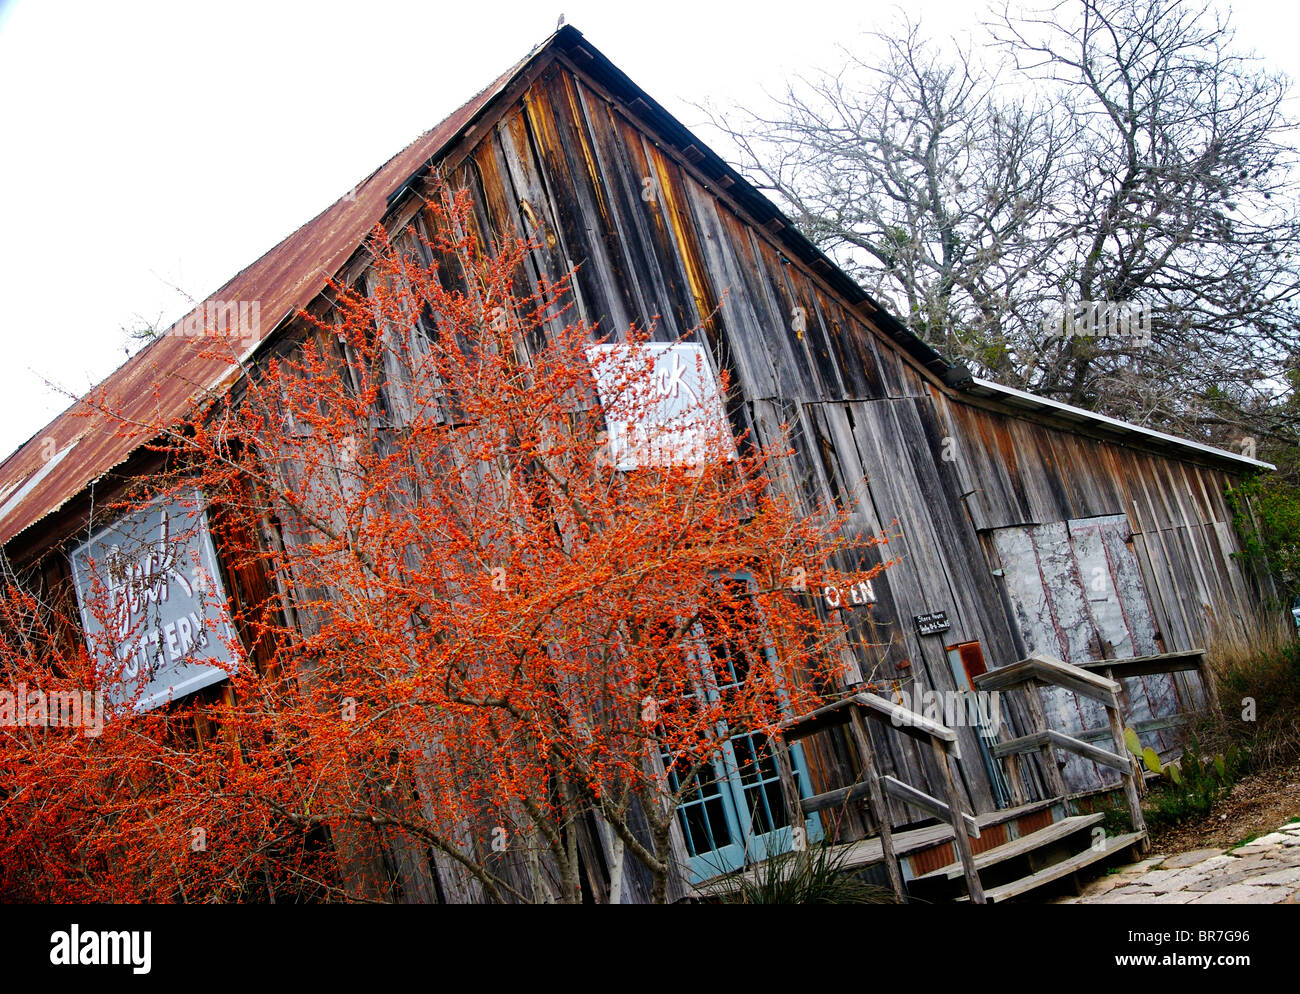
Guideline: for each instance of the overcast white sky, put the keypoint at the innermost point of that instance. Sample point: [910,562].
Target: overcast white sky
[147,146]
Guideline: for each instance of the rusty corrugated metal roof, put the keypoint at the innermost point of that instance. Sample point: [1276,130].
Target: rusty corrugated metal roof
[156,385]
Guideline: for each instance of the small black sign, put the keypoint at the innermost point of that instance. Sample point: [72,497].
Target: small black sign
[932,623]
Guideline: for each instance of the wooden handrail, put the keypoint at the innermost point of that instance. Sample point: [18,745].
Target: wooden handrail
[877,708]
[1163,662]
[852,711]
[1043,669]
[1031,743]
[836,798]
[1188,661]
[920,799]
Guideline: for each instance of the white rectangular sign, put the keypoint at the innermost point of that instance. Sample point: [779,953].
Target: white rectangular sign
[662,403]
[149,591]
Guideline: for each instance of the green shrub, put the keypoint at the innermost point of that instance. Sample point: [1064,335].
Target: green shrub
[1266,512]
[1191,784]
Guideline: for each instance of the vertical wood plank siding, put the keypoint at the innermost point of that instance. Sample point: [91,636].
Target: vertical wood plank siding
[653,244]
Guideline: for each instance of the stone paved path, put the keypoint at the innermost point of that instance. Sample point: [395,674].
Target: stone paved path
[1265,871]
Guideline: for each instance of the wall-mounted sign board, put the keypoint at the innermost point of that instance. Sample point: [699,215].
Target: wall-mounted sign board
[931,623]
[152,604]
[662,403]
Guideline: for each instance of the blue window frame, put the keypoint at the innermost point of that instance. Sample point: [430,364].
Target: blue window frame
[734,811]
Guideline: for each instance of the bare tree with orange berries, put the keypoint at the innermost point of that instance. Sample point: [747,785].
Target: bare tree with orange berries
[524,582]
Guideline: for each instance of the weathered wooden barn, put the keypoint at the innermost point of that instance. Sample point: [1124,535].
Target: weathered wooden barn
[1028,528]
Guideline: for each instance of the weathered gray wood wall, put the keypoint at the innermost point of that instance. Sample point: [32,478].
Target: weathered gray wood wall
[653,241]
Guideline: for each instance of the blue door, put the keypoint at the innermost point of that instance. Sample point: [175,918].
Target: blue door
[733,810]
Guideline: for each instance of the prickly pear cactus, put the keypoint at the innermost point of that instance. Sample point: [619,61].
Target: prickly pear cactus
[1151,760]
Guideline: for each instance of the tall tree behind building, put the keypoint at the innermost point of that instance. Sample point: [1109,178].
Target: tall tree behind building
[1119,153]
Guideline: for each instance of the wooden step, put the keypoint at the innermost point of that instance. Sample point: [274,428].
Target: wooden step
[1018,847]
[1056,871]
[870,851]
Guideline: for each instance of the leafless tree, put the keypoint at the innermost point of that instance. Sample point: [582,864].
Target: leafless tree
[1110,152]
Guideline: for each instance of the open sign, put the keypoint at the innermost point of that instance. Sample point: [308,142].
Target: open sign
[860,594]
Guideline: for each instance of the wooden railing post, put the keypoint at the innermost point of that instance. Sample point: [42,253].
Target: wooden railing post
[876,803]
[1130,787]
[956,809]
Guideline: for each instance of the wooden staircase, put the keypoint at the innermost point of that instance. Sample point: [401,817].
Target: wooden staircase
[1112,844]
[987,858]
[1029,861]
